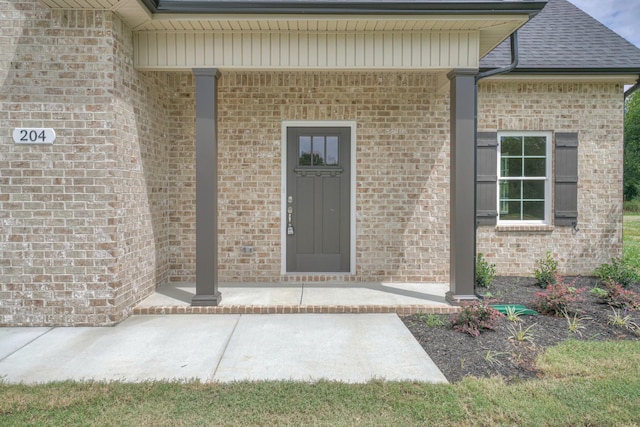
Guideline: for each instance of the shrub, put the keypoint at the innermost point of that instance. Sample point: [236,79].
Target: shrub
[622,320]
[485,272]
[556,298]
[475,316]
[615,295]
[618,271]
[519,334]
[546,271]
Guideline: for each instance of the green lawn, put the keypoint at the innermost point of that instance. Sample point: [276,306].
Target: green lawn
[631,236]
[586,383]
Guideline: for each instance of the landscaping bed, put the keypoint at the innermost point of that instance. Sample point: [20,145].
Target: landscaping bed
[510,350]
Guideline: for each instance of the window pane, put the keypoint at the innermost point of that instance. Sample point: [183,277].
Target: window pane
[511,146]
[535,167]
[523,183]
[318,150]
[511,167]
[533,190]
[304,144]
[510,190]
[510,211]
[535,146]
[533,211]
[332,151]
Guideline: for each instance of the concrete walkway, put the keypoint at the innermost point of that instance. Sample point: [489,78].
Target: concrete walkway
[352,348]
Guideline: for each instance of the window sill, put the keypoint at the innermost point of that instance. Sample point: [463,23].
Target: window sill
[526,227]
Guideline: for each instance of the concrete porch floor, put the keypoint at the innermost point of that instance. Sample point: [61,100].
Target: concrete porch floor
[321,297]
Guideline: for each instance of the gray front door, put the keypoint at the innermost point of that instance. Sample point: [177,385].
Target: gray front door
[318,199]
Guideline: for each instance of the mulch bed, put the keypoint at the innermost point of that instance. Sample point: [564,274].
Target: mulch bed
[496,353]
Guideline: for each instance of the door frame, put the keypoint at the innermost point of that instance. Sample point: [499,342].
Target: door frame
[283,190]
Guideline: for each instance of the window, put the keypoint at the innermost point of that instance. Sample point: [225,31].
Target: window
[524,171]
[318,151]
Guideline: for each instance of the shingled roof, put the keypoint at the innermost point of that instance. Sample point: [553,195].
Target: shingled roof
[564,39]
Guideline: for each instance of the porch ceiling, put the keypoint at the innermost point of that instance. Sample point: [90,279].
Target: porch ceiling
[484,31]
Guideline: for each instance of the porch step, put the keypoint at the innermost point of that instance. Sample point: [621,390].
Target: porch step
[292,298]
[401,310]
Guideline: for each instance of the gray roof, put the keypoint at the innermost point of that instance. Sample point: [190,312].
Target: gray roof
[563,38]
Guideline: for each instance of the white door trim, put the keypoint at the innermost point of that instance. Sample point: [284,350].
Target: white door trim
[283,189]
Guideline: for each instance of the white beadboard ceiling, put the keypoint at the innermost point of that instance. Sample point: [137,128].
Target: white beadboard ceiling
[489,30]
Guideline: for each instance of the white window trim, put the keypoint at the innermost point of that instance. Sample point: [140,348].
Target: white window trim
[283,188]
[547,181]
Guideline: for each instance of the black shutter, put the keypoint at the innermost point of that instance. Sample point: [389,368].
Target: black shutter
[487,178]
[566,179]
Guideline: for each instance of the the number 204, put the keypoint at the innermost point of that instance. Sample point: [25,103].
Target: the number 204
[32,135]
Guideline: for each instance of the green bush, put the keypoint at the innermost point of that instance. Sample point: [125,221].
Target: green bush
[485,272]
[546,271]
[619,271]
[616,296]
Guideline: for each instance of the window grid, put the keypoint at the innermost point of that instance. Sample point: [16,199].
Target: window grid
[522,197]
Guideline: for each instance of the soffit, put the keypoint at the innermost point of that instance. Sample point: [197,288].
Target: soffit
[492,28]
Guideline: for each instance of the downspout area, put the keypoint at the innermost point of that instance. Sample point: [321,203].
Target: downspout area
[514,63]
[632,89]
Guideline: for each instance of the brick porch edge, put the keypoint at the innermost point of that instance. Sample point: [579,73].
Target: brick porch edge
[402,310]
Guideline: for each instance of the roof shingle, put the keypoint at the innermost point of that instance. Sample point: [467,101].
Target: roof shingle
[563,38]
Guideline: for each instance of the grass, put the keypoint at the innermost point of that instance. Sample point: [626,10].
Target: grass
[585,383]
[631,238]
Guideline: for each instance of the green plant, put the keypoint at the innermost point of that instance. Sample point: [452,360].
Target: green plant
[485,272]
[491,357]
[555,300]
[475,316]
[622,320]
[575,323]
[512,314]
[615,295]
[599,292]
[520,334]
[546,271]
[618,271]
[431,320]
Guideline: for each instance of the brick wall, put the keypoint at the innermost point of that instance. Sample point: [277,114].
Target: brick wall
[402,171]
[402,163]
[91,224]
[595,110]
[82,221]
[140,174]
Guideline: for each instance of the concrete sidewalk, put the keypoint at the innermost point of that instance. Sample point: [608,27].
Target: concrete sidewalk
[353,348]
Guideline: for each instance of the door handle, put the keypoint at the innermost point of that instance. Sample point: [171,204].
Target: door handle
[290,230]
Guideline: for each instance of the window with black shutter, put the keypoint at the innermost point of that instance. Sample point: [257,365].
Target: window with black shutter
[514,178]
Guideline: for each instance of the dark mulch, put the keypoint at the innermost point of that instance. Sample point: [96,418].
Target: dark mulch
[494,353]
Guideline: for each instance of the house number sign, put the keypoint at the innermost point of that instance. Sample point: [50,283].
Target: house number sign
[34,135]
